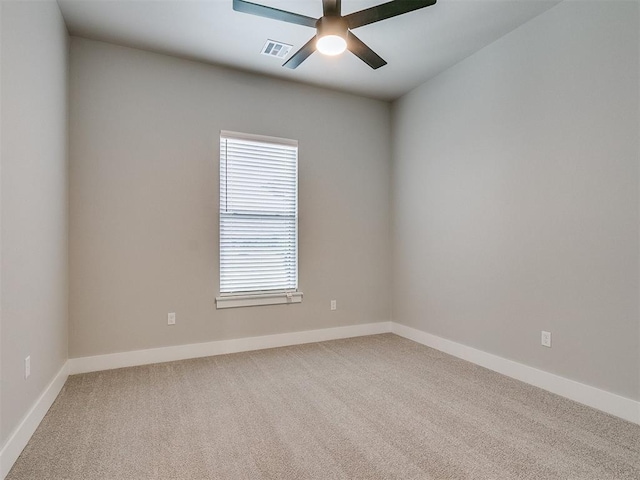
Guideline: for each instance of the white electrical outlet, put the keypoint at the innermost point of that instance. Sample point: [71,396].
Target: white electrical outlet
[334,305]
[27,367]
[546,339]
[171,318]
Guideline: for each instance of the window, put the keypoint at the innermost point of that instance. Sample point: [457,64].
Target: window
[258,220]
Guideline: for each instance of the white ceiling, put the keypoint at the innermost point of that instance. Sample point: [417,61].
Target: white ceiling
[417,45]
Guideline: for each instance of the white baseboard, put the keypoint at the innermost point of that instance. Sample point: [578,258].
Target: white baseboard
[196,350]
[23,432]
[617,405]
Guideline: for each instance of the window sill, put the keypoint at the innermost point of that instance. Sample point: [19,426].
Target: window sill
[254,300]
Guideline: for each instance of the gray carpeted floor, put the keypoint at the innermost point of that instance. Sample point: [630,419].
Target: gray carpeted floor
[378,407]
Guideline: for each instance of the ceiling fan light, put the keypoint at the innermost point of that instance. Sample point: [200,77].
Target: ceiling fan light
[331,45]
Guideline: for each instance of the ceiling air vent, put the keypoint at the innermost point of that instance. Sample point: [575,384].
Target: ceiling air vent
[276,49]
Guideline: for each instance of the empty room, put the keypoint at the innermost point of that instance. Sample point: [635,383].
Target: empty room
[319,239]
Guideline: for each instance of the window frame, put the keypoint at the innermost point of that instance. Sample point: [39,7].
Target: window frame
[258,297]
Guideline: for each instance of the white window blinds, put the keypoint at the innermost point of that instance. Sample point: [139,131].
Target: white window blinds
[258,214]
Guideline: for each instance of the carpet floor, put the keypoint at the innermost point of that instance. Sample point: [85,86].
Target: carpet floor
[377,407]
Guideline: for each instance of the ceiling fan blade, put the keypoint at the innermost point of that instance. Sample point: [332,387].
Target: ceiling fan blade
[302,54]
[331,7]
[384,11]
[273,13]
[364,53]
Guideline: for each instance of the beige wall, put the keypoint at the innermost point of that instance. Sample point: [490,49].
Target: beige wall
[144,200]
[515,197]
[33,203]
[2,435]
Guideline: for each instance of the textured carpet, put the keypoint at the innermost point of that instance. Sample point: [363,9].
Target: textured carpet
[378,407]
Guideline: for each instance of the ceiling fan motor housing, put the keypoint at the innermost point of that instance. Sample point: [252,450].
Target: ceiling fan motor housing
[332,26]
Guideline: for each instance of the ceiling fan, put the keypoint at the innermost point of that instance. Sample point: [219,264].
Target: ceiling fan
[333,31]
